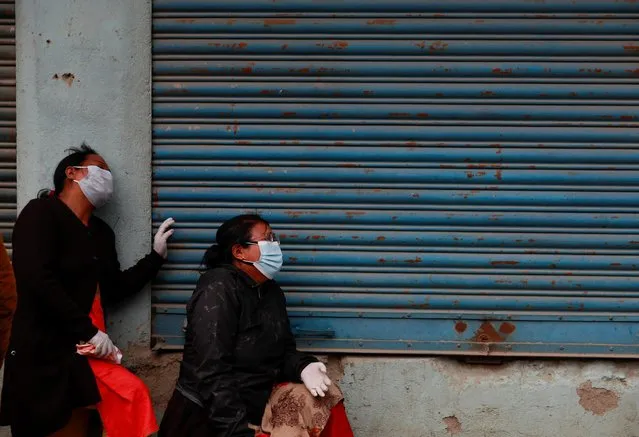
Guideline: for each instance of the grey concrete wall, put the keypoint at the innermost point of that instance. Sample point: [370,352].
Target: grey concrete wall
[84,74]
[419,397]
[442,397]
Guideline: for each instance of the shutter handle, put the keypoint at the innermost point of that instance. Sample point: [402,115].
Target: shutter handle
[318,333]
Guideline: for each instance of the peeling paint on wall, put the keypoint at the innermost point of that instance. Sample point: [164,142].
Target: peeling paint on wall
[453,425]
[598,401]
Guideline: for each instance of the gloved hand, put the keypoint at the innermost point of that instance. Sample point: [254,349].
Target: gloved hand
[315,379]
[104,347]
[161,237]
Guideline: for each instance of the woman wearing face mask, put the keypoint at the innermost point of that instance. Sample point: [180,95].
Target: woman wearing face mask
[240,351]
[60,358]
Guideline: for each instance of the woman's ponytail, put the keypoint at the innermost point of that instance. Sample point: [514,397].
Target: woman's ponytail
[212,258]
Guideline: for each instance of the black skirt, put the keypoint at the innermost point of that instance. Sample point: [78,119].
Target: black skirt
[184,418]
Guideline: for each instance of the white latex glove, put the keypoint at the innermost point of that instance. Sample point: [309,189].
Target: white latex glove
[315,379]
[88,350]
[104,347]
[161,237]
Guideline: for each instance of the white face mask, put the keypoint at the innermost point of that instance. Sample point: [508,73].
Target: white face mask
[271,259]
[97,185]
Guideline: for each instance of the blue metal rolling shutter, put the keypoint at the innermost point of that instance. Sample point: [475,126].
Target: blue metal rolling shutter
[447,176]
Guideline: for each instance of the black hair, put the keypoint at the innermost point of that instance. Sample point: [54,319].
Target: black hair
[76,156]
[233,231]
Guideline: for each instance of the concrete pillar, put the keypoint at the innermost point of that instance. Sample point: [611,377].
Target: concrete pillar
[84,74]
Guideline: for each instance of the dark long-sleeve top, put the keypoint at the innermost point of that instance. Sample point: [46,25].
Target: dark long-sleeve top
[238,344]
[59,264]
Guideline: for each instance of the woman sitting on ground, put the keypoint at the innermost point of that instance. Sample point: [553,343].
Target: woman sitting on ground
[241,374]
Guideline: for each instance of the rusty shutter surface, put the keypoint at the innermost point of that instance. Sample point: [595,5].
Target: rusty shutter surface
[7,120]
[446,176]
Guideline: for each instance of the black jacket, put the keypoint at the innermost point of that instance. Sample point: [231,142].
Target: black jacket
[58,263]
[238,344]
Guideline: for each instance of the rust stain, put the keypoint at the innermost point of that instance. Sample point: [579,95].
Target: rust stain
[289,114]
[279,21]
[487,334]
[267,92]
[438,46]
[507,328]
[298,214]
[615,265]
[461,327]
[498,147]
[634,72]
[249,68]
[628,117]
[380,238]
[369,93]
[421,45]
[348,165]
[598,401]
[631,48]
[351,214]
[423,115]
[284,46]
[292,259]
[381,22]
[504,263]
[417,260]
[453,425]
[505,72]
[399,115]
[487,94]
[305,70]
[498,175]
[338,45]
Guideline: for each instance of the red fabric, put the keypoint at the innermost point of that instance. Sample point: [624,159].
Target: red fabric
[337,426]
[126,409]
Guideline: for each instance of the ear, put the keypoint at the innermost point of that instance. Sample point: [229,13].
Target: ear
[70,172]
[238,252]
